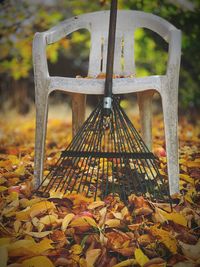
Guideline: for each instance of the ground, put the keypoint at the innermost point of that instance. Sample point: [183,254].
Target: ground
[74,230]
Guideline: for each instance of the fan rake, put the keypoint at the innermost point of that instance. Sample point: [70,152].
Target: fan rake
[107,155]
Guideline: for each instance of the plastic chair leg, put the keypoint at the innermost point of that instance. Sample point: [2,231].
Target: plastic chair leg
[40,137]
[78,111]
[170,112]
[145,109]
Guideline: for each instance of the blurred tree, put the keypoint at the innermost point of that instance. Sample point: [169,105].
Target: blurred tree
[20,19]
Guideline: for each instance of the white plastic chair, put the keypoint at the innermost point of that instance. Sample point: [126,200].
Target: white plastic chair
[97,24]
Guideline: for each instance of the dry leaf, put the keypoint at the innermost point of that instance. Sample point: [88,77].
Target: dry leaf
[162,216]
[4,241]
[83,221]
[113,223]
[39,261]
[92,256]
[49,219]
[143,211]
[127,252]
[38,235]
[117,215]
[156,262]
[186,178]
[36,209]
[165,237]
[3,256]
[125,263]
[96,204]
[191,251]
[3,188]
[140,257]
[67,219]
[17,225]
[76,249]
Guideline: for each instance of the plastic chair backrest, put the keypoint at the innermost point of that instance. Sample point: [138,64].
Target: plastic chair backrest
[127,22]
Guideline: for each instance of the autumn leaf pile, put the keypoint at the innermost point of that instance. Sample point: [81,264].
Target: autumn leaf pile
[75,230]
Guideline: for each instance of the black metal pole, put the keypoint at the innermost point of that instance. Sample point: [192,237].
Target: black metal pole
[107,104]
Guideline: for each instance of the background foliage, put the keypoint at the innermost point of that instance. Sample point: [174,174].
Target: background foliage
[19,20]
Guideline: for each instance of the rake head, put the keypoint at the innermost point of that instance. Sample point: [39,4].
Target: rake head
[107,156]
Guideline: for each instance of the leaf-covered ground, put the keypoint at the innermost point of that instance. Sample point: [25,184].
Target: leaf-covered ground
[74,230]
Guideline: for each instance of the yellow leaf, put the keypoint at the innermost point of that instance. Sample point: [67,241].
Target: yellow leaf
[125,263]
[28,247]
[39,261]
[140,257]
[20,170]
[2,180]
[91,256]
[188,198]
[177,218]
[67,219]
[18,248]
[3,256]
[76,249]
[193,164]
[23,215]
[3,188]
[24,202]
[41,247]
[17,225]
[4,241]
[38,234]
[161,216]
[166,238]
[96,204]
[83,221]
[14,159]
[113,223]
[35,210]
[186,178]
[117,215]
[48,219]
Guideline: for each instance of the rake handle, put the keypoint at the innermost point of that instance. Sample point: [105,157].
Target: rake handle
[110,58]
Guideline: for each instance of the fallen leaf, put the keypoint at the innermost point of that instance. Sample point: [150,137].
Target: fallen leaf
[166,238]
[96,204]
[39,261]
[76,249]
[162,216]
[4,241]
[156,262]
[140,257]
[3,256]
[17,225]
[38,234]
[143,211]
[3,188]
[92,256]
[113,223]
[125,263]
[34,210]
[20,170]
[83,221]
[186,178]
[191,251]
[67,219]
